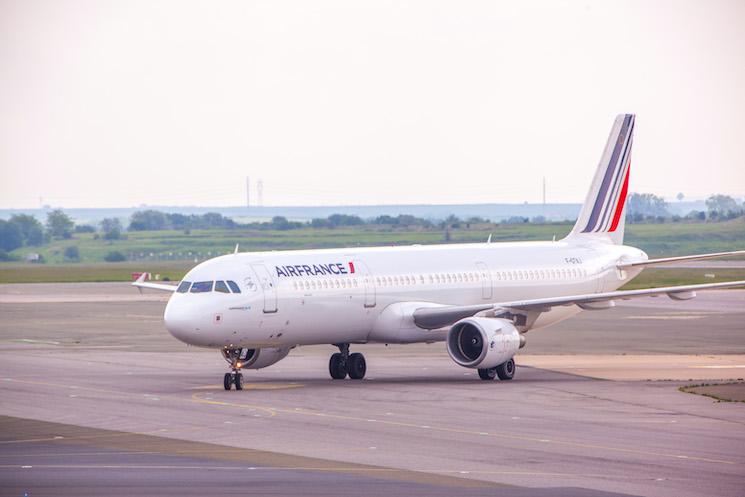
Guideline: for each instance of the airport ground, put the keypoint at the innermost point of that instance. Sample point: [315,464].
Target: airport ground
[96,397]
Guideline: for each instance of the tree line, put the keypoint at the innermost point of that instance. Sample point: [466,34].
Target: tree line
[25,230]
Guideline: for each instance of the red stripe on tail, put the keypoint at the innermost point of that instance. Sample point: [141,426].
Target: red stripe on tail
[621,200]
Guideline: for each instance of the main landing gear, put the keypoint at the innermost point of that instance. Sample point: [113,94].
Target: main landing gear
[505,371]
[343,363]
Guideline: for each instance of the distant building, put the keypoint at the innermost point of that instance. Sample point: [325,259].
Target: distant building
[33,257]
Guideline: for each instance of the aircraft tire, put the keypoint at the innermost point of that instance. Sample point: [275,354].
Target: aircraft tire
[238,381]
[337,367]
[487,373]
[356,366]
[506,370]
[227,381]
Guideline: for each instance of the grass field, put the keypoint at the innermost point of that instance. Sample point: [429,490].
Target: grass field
[171,253]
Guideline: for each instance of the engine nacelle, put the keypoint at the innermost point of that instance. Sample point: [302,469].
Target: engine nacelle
[260,358]
[483,342]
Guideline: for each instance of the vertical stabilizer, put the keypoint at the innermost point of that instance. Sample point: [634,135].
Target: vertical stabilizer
[602,214]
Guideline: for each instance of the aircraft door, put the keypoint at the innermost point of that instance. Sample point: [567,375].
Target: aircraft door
[267,286]
[368,282]
[485,277]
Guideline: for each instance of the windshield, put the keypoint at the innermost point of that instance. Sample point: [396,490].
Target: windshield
[183,287]
[201,287]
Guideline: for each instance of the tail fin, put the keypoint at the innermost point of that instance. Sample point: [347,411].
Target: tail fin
[602,215]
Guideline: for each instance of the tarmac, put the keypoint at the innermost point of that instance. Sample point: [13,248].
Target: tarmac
[96,397]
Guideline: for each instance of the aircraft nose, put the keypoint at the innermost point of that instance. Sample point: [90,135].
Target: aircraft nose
[180,321]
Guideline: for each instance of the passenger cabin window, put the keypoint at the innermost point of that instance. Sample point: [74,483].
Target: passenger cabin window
[201,287]
[183,287]
[221,287]
[234,286]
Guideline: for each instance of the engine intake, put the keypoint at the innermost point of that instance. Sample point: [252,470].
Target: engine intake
[255,358]
[477,342]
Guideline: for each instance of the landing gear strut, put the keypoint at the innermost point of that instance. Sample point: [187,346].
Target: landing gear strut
[343,363]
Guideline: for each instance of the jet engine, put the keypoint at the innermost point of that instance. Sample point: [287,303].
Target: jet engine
[255,358]
[478,342]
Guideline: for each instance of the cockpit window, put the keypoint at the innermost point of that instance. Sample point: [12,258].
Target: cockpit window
[201,287]
[183,287]
[233,286]
[221,287]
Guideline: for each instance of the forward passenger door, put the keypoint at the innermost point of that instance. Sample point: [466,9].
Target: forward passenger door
[267,286]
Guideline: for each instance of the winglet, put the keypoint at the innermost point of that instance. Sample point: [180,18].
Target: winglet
[140,283]
[140,279]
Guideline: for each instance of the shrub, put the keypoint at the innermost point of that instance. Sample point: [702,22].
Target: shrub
[71,253]
[114,256]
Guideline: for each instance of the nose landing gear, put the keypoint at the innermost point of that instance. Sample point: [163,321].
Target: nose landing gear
[235,357]
[234,378]
[343,363]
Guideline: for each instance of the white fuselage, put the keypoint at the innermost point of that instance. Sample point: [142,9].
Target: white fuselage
[349,295]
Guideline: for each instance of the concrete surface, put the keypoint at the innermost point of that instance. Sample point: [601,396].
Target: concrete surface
[417,425]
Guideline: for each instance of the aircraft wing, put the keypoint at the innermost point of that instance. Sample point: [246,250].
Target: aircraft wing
[665,260]
[437,317]
[140,283]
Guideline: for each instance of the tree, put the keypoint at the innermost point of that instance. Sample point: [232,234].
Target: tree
[112,228]
[71,253]
[318,222]
[11,236]
[646,205]
[31,229]
[724,205]
[148,220]
[680,196]
[59,224]
[335,220]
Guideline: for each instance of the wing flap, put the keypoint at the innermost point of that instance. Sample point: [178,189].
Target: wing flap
[430,318]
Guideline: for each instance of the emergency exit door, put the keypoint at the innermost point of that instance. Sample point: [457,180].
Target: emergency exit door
[485,277]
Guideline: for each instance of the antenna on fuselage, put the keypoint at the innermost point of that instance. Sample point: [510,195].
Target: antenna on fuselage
[488,240]
[236,248]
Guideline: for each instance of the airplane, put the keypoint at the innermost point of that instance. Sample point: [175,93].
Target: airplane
[481,299]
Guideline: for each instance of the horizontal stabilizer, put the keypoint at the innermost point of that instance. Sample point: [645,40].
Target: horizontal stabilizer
[665,260]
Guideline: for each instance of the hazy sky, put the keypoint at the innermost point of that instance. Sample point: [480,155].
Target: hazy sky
[107,103]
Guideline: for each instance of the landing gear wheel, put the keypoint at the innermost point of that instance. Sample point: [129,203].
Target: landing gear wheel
[227,381]
[337,366]
[238,381]
[487,373]
[356,366]
[506,370]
